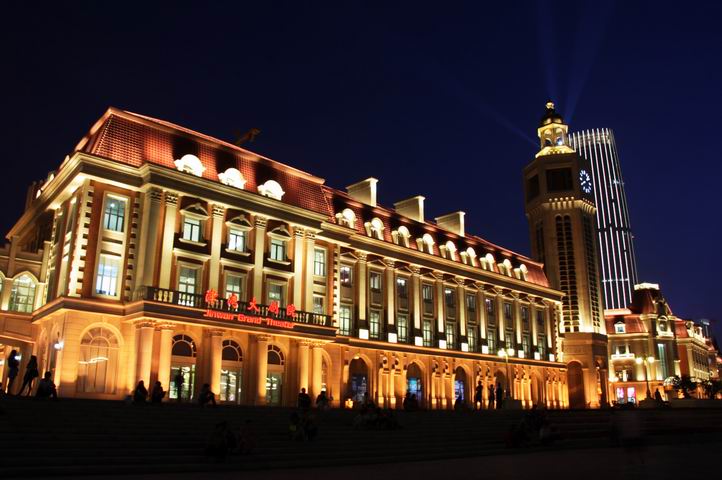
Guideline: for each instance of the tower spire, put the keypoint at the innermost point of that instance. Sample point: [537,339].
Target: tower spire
[552,133]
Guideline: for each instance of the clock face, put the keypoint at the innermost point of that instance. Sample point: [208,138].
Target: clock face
[585,181]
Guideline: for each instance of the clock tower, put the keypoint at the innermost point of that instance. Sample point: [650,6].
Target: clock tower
[561,213]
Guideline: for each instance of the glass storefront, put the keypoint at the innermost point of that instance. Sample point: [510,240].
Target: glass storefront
[188,374]
[230,386]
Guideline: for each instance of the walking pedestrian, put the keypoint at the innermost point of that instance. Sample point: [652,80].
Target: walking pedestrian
[31,373]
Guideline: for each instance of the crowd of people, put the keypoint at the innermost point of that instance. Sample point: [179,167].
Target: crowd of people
[45,387]
[224,441]
[371,416]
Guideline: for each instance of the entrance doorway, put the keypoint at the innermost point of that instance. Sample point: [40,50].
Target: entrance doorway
[460,390]
[575,382]
[274,377]
[357,380]
[183,368]
[231,372]
[414,384]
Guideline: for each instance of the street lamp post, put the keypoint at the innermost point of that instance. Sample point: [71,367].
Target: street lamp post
[645,361]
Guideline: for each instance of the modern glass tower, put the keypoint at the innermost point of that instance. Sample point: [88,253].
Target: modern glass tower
[616,245]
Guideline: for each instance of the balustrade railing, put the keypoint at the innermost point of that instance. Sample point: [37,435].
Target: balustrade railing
[197,300]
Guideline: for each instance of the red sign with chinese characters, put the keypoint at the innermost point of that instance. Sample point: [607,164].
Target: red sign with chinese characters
[253,316]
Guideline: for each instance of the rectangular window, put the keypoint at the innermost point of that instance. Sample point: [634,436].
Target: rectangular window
[237,240]
[114,214]
[402,329]
[234,284]
[375,281]
[319,262]
[662,363]
[526,345]
[470,303]
[525,318]
[542,346]
[490,315]
[278,249]
[540,321]
[344,320]
[559,179]
[346,280]
[374,323]
[319,304]
[450,336]
[619,328]
[402,289]
[471,338]
[507,312]
[427,333]
[449,297]
[187,285]
[491,340]
[427,294]
[276,293]
[191,229]
[106,282]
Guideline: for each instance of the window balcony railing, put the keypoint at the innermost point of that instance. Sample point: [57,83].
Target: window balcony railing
[622,356]
[197,300]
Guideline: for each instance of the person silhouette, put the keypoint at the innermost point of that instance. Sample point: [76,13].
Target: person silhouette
[13,365]
[178,382]
[157,393]
[46,387]
[499,395]
[140,393]
[491,397]
[304,400]
[206,396]
[479,396]
[31,373]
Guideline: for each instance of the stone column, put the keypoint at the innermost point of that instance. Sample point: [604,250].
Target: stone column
[440,326]
[500,319]
[165,349]
[216,351]
[216,240]
[516,312]
[261,368]
[416,302]
[259,245]
[150,219]
[316,370]
[145,352]
[169,228]
[461,309]
[297,296]
[308,274]
[361,287]
[303,349]
[390,293]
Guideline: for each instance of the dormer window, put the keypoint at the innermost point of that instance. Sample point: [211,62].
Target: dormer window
[619,327]
[505,267]
[346,218]
[271,189]
[487,263]
[470,255]
[401,236]
[426,243]
[232,177]
[190,164]
[449,250]
[375,228]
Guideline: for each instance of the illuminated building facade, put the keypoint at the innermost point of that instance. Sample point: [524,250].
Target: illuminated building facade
[155,253]
[616,242]
[648,344]
[561,213]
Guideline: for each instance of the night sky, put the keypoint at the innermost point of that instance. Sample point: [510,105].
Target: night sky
[436,100]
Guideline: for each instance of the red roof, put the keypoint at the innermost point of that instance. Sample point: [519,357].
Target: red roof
[136,139]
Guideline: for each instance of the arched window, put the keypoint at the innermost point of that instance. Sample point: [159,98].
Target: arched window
[271,189]
[231,351]
[275,356]
[183,346]
[450,249]
[428,243]
[98,364]
[232,177]
[22,295]
[470,255]
[401,236]
[506,267]
[190,164]
[347,218]
[375,228]
[488,262]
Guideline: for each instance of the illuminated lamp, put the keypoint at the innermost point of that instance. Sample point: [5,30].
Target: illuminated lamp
[348,403]
[537,356]
[485,349]
[638,360]
[58,345]
[551,357]
[363,333]
[520,354]
[464,347]
[442,344]
[393,338]
[419,341]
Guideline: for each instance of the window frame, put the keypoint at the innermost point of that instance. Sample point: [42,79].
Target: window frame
[124,201]
[185,218]
[117,280]
[323,264]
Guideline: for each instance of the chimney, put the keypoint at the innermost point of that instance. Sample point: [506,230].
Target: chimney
[364,191]
[412,208]
[453,222]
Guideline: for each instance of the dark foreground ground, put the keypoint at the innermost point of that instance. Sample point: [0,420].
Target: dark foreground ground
[686,460]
